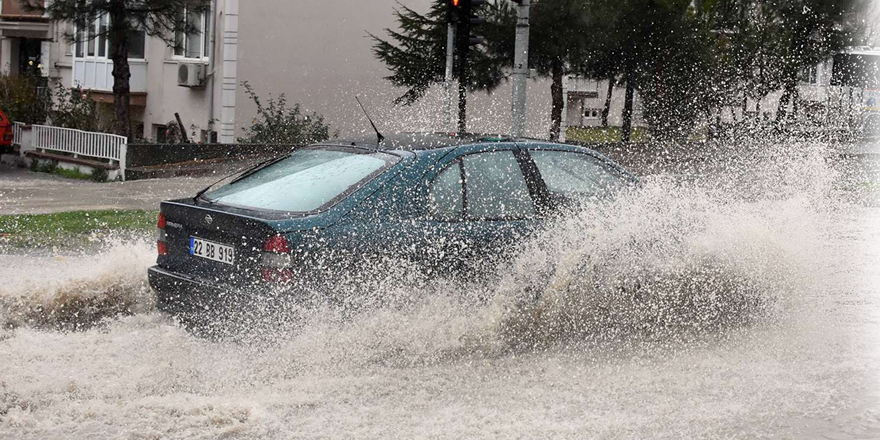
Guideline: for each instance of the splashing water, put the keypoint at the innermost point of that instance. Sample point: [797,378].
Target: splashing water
[738,300]
[70,292]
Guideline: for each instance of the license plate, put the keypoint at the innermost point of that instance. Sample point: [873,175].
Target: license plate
[211,250]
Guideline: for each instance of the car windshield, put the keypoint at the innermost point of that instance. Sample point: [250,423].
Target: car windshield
[305,181]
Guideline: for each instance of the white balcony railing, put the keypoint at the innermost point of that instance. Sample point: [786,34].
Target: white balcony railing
[97,74]
[16,133]
[81,143]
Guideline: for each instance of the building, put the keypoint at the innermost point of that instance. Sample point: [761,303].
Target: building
[829,92]
[315,52]
[197,80]
[585,101]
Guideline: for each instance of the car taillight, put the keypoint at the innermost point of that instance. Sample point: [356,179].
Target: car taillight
[276,260]
[161,240]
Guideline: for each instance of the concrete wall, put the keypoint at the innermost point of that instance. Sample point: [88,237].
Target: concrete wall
[319,54]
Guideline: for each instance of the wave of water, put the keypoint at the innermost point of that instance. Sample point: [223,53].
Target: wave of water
[691,307]
[75,291]
[670,258]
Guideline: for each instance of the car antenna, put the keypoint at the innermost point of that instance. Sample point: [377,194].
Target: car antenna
[378,135]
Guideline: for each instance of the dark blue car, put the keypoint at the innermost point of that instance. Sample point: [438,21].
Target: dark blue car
[441,201]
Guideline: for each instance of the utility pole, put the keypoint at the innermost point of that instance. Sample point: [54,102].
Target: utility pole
[450,58]
[520,69]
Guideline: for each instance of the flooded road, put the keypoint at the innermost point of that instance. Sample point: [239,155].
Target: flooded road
[741,303]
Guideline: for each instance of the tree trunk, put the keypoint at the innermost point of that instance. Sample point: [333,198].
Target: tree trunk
[607,109]
[626,128]
[118,38]
[784,100]
[558,101]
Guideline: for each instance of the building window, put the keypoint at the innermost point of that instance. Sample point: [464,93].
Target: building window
[94,42]
[194,44]
[160,133]
[137,44]
[810,75]
[592,113]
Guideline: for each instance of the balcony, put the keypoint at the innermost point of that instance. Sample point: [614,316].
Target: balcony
[583,87]
[13,10]
[17,22]
[96,75]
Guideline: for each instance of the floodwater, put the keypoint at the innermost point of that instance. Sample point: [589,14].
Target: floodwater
[737,296]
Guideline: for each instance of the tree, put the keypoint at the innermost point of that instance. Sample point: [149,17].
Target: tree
[811,31]
[416,54]
[764,45]
[676,77]
[558,43]
[164,19]
[624,29]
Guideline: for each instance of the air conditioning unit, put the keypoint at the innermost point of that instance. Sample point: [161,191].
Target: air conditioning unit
[191,74]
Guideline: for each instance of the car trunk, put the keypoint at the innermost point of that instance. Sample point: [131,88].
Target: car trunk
[245,233]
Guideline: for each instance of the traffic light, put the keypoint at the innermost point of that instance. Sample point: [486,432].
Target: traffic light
[475,22]
[463,13]
[452,9]
[470,11]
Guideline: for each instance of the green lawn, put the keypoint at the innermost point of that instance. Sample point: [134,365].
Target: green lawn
[73,229]
[603,135]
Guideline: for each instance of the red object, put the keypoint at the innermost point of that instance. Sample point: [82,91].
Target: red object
[271,275]
[274,260]
[5,131]
[161,242]
[277,245]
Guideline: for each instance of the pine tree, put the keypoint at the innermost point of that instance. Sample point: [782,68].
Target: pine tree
[416,54]
[157,18]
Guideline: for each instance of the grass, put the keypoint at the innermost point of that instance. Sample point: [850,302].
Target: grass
[73,229]
[51,167]
[604,135]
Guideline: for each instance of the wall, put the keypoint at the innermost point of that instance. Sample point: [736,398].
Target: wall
[318,52]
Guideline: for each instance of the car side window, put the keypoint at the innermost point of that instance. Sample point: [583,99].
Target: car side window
[575,175]
[446,194]
[495,187]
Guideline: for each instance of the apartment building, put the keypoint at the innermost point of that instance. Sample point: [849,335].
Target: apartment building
[197,79]
[316,52]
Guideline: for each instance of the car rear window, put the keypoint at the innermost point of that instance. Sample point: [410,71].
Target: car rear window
[308,180]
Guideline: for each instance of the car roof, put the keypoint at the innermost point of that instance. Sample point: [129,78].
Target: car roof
[423,141]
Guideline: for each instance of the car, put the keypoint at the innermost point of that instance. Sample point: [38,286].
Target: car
[440,201]
[6,132]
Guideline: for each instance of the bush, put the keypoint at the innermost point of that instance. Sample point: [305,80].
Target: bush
[74,108]
[277,124]
[99,175]
[48,167]
[25,99]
